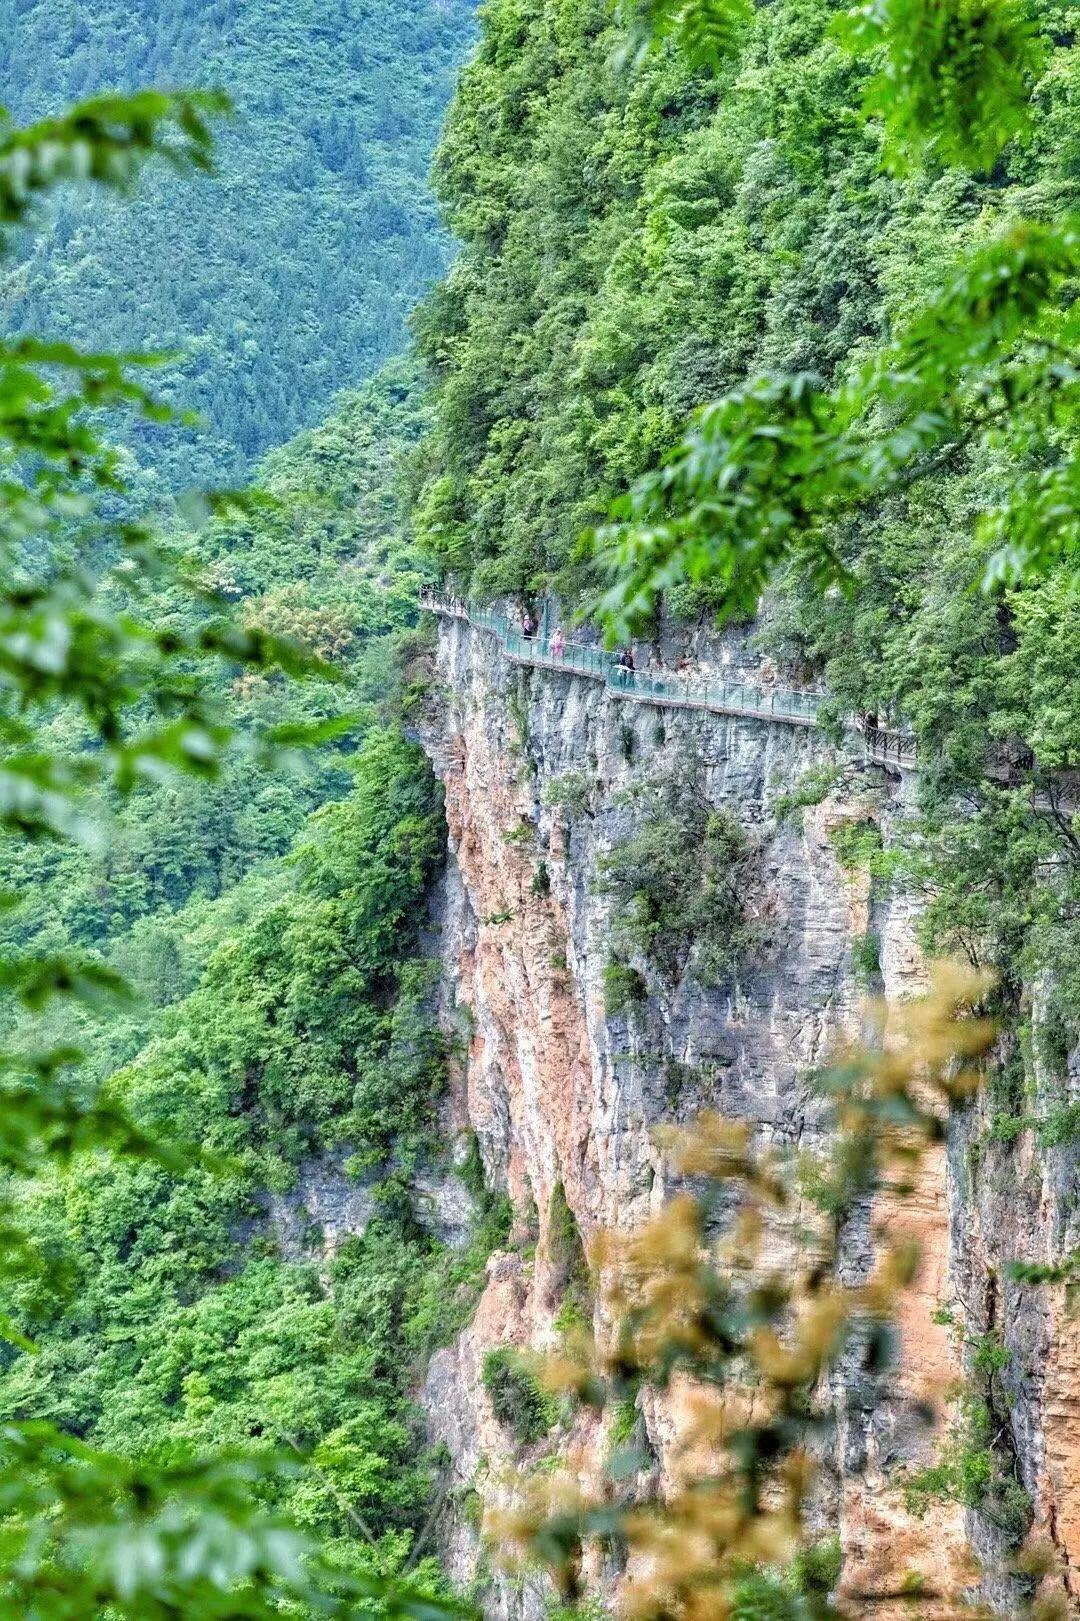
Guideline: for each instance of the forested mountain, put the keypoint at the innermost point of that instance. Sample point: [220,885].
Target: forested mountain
[268,918]
[648,235]
[640,237]
[289,276]
[652,913]
[323,558]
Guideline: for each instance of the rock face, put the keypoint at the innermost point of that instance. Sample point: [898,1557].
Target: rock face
[327,1206]
[561,1093]
[1020,1200]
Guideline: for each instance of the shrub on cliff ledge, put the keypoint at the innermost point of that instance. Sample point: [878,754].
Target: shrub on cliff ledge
[680,883]
[624,988]
[516,1398]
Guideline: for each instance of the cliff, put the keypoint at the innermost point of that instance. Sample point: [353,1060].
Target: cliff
[561,1081]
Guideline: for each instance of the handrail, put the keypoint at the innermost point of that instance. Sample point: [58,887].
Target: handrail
[712,692]
[884,747]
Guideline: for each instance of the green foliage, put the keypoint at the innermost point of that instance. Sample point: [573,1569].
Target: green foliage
[624,1421]
[540,883]
[988,1353]
[175,1358]
[691,268]
[767,472]
[969,1470]
[680,882]
[857,845]
[451,1288]
[568,1259]
[1007,1081]
[624,987]
[692,263]
[189,857]
[817,1568]
[761,1596]
[1056,1035]
[955,75]
[73,620]
[705,32]
[571,792]
[516,1399]
[291,276]
[965,1469]
[106,139]
[590,1609]
[890,361]
[866,956]
[798,1593]
[812,787]
[155,1542]
[311,1025]
[677,1078]
[1060,1125]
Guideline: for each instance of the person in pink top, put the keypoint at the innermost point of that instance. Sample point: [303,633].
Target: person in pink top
[558,642]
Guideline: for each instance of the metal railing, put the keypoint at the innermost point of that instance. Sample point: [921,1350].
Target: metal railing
[888,748]
[708,689]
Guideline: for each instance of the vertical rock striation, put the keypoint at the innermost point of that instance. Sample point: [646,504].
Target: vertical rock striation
[561,1093]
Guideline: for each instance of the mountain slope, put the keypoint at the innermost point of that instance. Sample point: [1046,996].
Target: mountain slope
[290,275]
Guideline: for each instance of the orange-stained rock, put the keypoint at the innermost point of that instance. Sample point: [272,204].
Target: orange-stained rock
[884,1545]
[559,1092]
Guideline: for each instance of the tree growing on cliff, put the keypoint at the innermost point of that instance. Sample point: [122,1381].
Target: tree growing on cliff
[681,882]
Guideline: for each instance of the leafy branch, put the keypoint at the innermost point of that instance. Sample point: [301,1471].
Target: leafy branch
[764,474]
[106,139]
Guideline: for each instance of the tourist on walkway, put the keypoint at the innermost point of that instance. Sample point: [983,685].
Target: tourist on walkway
[558,642]
[624,666]
[528,624]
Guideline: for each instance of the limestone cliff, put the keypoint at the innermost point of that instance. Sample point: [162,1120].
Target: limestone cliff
[561,1093]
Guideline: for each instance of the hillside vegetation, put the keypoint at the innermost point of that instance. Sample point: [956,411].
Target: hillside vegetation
[640,233]
[270,925]
[289,276]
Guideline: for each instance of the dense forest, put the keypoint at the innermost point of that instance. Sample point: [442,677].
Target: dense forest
[290,275]
[255,932]
[324,558]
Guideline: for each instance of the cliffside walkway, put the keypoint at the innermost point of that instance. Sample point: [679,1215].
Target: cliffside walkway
[710,691]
